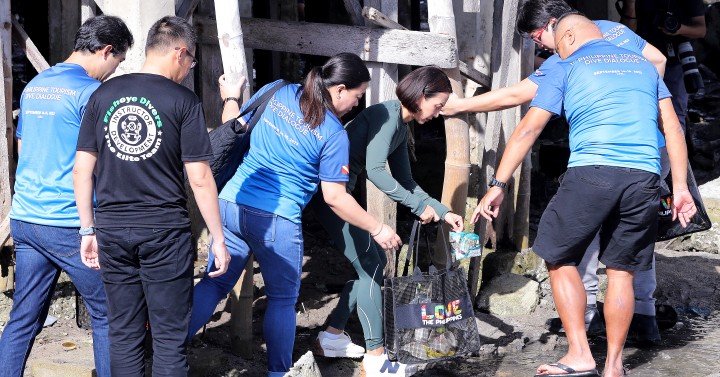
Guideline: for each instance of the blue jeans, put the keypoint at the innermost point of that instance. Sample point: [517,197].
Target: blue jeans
[277,243]
[40,253]
[148,277]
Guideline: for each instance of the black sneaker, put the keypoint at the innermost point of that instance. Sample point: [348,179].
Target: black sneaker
[644,330]
[594,324]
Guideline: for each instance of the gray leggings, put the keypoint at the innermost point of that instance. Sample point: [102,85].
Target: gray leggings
[644,282]
[369,261]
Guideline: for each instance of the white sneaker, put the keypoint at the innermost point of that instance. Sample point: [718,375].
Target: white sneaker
[380,366]
[342,346]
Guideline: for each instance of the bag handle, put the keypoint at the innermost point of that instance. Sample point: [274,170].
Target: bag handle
[259,104]
[414,247]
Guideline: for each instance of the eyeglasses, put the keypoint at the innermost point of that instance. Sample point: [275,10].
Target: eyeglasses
[194,61]
[537,36]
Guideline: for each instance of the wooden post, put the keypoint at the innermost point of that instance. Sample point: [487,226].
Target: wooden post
[87,10]
[138,15]
[63,21]
[31,52]
[441,18]
[383,80]
[475,25]
[7,165]
[7,280]
[232,51]
[506,62]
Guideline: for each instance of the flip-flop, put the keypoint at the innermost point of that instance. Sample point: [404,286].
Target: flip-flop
[570,372]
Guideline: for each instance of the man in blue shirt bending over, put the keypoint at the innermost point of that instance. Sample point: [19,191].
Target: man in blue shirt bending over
[44,219]
[610,97]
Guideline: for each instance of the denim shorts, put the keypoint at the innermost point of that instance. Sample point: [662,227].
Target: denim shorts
[619,202]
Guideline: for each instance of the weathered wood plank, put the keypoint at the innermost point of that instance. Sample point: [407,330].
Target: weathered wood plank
[354,9]
[380,19]
[34,56]
[473,74]
[371,44]
[185,8]
[87,10]
[4,230]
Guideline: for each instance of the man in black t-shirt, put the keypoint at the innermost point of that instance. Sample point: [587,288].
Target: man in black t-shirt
[139,131]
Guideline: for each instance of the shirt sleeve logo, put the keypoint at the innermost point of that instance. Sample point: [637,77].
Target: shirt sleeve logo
[538,73]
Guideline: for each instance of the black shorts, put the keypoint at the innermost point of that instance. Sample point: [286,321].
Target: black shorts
[619,202]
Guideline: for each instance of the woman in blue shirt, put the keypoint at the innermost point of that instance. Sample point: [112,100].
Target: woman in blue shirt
[298,144]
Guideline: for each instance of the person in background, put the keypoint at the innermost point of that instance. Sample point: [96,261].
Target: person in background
[298,144]
[44,218]
[139,133]
[378,135]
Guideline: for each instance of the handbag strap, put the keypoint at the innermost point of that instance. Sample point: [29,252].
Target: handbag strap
[414,247]
[258,106]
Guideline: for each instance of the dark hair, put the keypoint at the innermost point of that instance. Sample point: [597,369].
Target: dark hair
[167,32]
[344,68]
[423,82]
[534,14]
[97,32]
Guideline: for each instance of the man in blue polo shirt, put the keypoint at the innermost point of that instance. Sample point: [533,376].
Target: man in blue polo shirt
[610,98]
[44,216]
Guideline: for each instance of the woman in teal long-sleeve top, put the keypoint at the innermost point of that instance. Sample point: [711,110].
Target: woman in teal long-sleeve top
[379,135]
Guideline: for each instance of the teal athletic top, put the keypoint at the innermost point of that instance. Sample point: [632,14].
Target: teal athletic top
[379,135]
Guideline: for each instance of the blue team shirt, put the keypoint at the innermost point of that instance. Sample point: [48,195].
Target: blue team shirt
[613,32]
[609,96]
[51,107]
[287,160]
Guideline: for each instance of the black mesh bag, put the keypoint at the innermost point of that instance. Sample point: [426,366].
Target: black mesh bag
[428,316]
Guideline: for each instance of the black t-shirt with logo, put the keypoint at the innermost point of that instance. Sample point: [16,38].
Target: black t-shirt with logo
[143,127]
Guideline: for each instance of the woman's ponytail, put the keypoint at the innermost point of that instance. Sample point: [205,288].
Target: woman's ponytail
[344,68]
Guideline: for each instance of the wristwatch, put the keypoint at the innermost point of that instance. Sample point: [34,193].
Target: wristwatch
[496,183]
[226,100]
[89,231]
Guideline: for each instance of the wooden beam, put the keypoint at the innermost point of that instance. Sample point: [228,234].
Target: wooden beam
[34,56]
[101,4]
[354,9]
[185,8]
[474,75]
[441,18]
[378,18]
[87,10]
[371,44]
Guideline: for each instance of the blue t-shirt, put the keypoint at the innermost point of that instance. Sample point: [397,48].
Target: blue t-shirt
[51,107]
[287,160]
[610,98]
[613,32]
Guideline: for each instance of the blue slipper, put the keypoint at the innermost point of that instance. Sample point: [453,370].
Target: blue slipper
[570,372]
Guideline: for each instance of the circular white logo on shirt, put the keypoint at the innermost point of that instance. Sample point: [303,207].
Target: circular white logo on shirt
[132,133]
